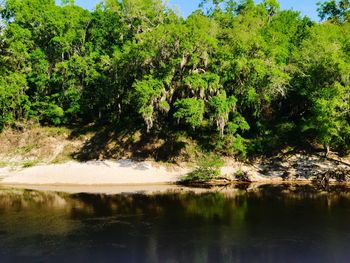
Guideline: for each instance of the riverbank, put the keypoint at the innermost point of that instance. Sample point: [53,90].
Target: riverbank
[120,172]
[292,168]
[62,156]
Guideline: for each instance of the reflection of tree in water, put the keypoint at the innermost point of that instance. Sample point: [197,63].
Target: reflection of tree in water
[26,199]
[35,219]
[145,222]
[182,225]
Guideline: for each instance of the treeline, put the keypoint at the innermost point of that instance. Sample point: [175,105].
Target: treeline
[234,75]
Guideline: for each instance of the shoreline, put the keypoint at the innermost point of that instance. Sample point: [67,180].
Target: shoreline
[299,169]
[146,189]
[122,172]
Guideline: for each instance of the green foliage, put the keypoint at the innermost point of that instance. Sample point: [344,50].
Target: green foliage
[246,76]
[338,11]
[324,84]
[190,110]
[148,92]
[329,122]
[29,164]
[221,106]
[241,175]
[207,168]
[48,112]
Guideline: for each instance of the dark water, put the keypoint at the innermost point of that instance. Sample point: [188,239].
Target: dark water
[272,224]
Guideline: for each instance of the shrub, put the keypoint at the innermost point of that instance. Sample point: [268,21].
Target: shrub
[207,168]
[242,176]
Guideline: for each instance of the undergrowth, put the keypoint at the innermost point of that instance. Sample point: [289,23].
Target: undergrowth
[207,168]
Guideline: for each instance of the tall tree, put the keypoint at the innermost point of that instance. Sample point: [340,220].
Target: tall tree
[337,11]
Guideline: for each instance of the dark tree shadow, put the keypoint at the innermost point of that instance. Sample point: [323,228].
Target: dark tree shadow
[118,143]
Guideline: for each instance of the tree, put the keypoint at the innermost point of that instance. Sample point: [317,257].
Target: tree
[67,2]
[324,84]
[337,11]
[190,110]
[150,95]
[233,69]
[331,112]
[220,108]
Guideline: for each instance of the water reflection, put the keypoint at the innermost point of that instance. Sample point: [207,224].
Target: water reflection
[270,224]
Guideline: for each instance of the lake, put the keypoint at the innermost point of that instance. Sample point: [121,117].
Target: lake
[263,224]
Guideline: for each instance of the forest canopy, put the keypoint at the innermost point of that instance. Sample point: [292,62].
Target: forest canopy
[234,75]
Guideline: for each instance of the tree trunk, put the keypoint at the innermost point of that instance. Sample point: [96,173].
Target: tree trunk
[327,150]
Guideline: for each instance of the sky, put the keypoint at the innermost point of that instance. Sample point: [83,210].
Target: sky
[306,7]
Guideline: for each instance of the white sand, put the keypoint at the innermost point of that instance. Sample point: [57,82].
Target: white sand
[111,173]
[121,172]
[118,173]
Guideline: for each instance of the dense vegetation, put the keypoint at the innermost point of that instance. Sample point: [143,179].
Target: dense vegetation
[234,76]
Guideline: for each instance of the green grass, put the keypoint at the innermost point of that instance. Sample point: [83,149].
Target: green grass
[3,164]
[56,131]
[29,164]
[66,155]
[26,149]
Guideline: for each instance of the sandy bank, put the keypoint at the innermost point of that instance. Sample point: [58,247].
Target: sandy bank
[293,168]
[121,172]
[111,173]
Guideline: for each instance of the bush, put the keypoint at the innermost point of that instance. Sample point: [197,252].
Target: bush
[242,176]
[207,168]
